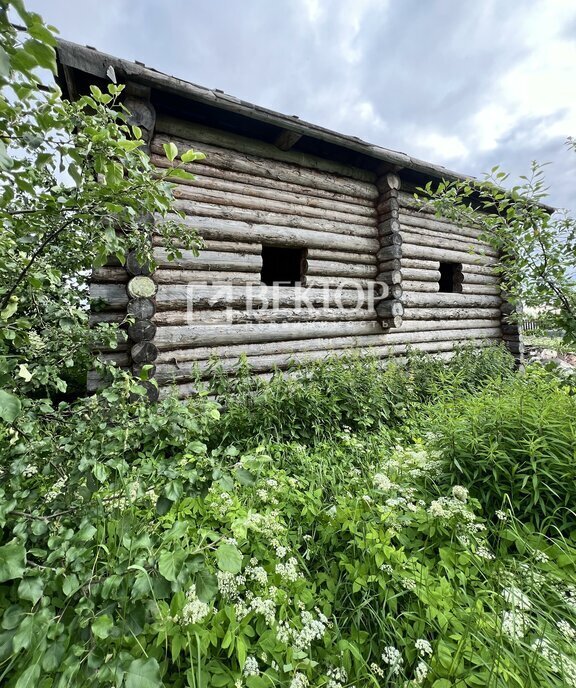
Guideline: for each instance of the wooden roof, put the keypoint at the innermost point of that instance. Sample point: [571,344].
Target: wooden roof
[81,65]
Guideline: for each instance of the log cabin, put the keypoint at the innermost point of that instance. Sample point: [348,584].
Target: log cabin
[314,243]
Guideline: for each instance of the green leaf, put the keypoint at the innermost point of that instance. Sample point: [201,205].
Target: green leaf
[102,627]
[4,63]
[29,677]
[191,156]
[229,558]
[206,585]
[10,406]
[31,589]
[12,561]
[24,373]
[170,150]
[244,477]
[10,309]
[143,673]
[170,563]
[163,505]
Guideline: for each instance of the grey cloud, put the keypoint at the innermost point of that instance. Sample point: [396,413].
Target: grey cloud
[422,66]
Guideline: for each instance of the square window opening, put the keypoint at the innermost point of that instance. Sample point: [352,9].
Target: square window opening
[448,277]
[284,266]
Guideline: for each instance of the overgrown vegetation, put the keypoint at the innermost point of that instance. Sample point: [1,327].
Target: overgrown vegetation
[187,546]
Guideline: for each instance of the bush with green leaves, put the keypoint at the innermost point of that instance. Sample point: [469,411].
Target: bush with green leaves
[132,554]
[537,243]
[313,401]
[75,188]
[515,445]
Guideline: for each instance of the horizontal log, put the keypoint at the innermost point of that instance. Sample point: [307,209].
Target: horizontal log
[182,297]
[445,255]
[420,285]
[251,247]
[280,315]
[106,317]
[210,260]
[264,160]
[412,324]
[454,313]
[337,269]
[440,350]
[341,256]
[419,274]
[165,276]
[269,218]
[439,225]
[112,275]
[474,278]
[388,265]
[443,341]
[493,270]
[480,289]
[425,224]
[209,175]
[252,202]
[108,296]
[274,235]
[179,355]
[217,335]
[387,253]
[141,309]
[451,244]
[266,190]
[443,300]
[416,264]
[356,283]
[389,309]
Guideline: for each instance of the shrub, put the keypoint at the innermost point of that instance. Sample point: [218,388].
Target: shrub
[516,444]
[310,403]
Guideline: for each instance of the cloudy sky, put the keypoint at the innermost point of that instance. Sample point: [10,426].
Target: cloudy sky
[465,84]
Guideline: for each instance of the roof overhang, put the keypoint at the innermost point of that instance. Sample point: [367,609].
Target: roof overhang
[77,62]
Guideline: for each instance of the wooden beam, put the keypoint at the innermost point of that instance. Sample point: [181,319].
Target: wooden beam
[286,139]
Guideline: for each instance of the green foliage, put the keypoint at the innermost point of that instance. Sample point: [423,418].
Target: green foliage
[516,446]
[355,392]
[134,555]
[75,187]
[537,245]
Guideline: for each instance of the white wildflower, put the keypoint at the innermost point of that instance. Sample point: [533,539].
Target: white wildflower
[516,598]
[229,583]
[420,673]
[423,646]
[437,509]
[501,515]
[393,658]
[256,573]
[408,584]
[299,680]
[382,482]
[288,570]
[460,493]
[337,677]
[485,553]
[567,629]
[194,610]
[29,470]
[514,624]
[251,666]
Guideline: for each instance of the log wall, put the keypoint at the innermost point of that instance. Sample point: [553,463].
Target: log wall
[361,234]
